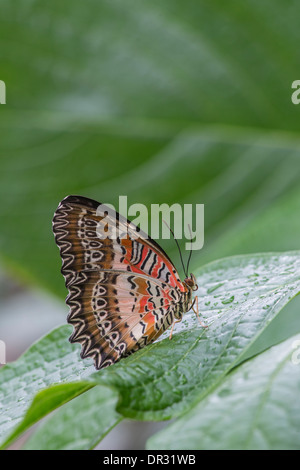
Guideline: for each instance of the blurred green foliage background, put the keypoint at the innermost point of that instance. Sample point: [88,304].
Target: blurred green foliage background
[170,101]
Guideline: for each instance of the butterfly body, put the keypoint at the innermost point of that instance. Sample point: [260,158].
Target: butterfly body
[124,291]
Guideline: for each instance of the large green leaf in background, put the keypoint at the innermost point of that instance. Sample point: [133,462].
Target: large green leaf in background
[162,102]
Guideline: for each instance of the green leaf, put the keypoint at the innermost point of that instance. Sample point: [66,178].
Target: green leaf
[46,401]
[238,298]
[182,55]
[79,424]
[255,407]
[51,360]
[284,325]
[162,102]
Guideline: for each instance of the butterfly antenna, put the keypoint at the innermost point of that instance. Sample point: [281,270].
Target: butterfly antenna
[176,241]
[190,255]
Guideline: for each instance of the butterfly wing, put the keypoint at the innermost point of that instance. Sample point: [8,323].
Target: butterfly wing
[123,290]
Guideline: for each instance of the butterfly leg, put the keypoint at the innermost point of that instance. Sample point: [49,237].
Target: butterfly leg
[172,327]
[197,312]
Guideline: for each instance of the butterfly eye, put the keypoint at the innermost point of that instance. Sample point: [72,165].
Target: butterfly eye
[191,282]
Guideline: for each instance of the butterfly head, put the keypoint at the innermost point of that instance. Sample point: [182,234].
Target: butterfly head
[191,282]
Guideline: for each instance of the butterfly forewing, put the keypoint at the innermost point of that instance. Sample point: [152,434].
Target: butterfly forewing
[123,290]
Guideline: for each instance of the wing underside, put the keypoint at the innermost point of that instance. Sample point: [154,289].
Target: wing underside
[123,291]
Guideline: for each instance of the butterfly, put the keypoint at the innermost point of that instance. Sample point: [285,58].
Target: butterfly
[123,289]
